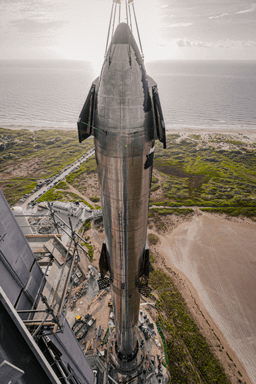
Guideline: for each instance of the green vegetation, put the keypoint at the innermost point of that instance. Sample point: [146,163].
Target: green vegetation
[78,179]
[94,199]
[35,155]
[52,195]
[86,203]
[197,173]
[152,239]
[170,211]
[235,212]
[62,185]
[74,197]
[87,225]
[89,166]
[90,250]
[17,187]
[190,359]
[155,187]
[196,137]
[165,203]
[191,171]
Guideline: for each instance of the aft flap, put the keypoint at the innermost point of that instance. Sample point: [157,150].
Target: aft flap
[85,121]
[157,112]
[103,263]
[151,82]
[160,126]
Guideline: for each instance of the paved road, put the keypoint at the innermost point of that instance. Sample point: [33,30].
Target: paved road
[58,178]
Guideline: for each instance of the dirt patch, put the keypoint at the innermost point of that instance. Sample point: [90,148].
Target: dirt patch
[22,169]
[195,181]
[165,224]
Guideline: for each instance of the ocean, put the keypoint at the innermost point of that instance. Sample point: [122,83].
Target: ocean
[193,94]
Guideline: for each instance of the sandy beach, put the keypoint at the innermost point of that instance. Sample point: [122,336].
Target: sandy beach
[215,257]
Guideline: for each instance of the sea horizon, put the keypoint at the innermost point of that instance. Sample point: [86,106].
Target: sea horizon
[195,94]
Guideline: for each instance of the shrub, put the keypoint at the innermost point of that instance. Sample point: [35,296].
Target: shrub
[62,185]
[155,187]
[94,199]
[152,239]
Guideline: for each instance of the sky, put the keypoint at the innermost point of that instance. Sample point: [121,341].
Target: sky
[169,29]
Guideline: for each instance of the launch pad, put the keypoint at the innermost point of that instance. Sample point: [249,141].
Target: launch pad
[95,331]
[146,363]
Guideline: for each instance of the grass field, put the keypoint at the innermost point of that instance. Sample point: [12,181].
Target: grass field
[192,172]
[190,359]
[26,157]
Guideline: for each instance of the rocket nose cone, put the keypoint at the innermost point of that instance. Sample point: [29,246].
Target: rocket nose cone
[122,34]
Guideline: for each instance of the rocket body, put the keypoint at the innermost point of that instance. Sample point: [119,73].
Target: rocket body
[124,119]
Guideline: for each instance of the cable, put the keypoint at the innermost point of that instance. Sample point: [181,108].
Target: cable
[142,54]
[129,8]
[114,20]
[109,28]
[127,17]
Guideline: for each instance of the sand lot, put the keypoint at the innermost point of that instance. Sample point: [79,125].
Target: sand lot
[218,256]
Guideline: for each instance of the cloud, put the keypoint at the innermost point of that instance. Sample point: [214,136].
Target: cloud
[225,44]
[249,10]
[178,25]
[183,43]
[34,26]
[187,43]
[30,16]
[253,8]
[164,6]
[235,43]
[44,10]
[219,16]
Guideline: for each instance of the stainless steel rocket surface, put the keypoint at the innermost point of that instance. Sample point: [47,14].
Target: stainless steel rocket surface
[124,114]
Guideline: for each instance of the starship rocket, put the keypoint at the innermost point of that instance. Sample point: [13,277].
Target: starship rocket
[123,112]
